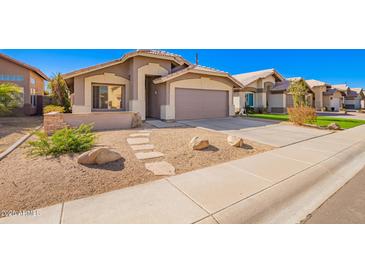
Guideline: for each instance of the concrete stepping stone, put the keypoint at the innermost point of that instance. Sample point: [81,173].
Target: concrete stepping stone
[137,141]
[145,131]
[148,155]
[160,168]
[142,147]
[139,135]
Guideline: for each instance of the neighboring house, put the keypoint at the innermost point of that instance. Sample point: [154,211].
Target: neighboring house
[319,88]
[280,98]
[256,92]
[28,78]
[354,98]
[333,99]
[156,84]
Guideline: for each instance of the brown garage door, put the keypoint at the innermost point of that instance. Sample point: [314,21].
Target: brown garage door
[200,103]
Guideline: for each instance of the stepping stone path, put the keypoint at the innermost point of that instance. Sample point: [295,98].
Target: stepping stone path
[143,147]
[148,155]
[161,168]
[140,141]
[140,135]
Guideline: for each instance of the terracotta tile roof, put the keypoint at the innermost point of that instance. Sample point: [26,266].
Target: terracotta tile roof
[284,85]
[295,78]
[34,69]
[341,87]
[315,83]
[330,91]
[197,69]
[141,52]
[357,90]
[250,77]
[281,86]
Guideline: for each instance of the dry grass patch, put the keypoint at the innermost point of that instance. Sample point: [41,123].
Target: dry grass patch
[30,183]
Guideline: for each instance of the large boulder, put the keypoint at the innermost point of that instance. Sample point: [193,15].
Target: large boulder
[334,126]
[98,156]
[198,143]
[235,141]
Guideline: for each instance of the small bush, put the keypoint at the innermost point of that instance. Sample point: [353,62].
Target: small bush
[302,115]
[52,108]
[66,140]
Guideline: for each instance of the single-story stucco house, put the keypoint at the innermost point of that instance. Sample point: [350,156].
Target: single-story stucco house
[283,98]
[256,92]
[354,98]
[156,84]
[319,88]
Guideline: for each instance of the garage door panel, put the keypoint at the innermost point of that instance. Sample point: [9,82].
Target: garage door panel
[200,103]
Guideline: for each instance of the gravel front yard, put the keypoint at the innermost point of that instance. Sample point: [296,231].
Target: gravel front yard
[30,183]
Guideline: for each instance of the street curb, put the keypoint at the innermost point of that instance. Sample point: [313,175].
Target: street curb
[17,143]
[291,200]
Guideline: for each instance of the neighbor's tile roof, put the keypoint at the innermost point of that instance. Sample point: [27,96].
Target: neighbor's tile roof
[141,52]
[197,69]
[341,87]
[315,83]
[280,86]
[295,78]
[358,90]
[24,65]
[330,91]
[250,77]
[284,85]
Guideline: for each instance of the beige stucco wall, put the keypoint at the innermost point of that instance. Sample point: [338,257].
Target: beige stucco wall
[318,93]
[107,78]
[328,103]
[121,70]
[194,81]
[260,97]
[130,73]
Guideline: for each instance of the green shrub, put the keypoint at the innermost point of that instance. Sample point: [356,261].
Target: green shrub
[10,97]
[66,140]
[52,108]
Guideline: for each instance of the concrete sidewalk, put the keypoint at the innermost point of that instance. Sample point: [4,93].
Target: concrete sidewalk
[279,186]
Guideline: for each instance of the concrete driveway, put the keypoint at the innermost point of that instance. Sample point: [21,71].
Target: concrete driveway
[267,132]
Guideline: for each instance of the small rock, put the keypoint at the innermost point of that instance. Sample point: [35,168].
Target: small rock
[198,143]
[334,126]
[98,156]
[235,141]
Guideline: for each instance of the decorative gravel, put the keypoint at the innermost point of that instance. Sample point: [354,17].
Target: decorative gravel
[29,183]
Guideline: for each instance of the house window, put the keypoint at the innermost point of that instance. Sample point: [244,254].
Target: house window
[32,81]
[108,97]
[11,77]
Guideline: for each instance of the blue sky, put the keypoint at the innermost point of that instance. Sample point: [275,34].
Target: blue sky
[332,66]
